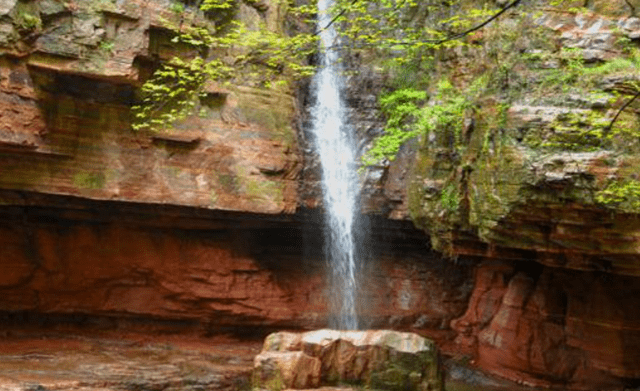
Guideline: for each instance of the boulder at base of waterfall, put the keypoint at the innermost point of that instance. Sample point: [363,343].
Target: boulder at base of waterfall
[277,370]
[379,359]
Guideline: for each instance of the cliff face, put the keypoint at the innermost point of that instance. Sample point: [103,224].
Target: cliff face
[104,221]
[70,74]
[198,223]
[539,185]
[548,326]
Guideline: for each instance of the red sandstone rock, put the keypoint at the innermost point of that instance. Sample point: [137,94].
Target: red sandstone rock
[575,328]
[110,361]
[65,109]
[220,273]
[291,369]
[377,358]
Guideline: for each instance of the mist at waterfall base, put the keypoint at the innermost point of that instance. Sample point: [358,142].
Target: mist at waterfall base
[334,144]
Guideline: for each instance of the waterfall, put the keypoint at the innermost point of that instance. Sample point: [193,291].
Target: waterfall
[339,180]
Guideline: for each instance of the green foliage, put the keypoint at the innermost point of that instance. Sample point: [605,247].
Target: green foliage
[450,198]
[574,73]
[569,5]
[400,107]
[26,17]
[171,93]
[447,114]
[259,56]
[624,195]
[616,65]
[107,46]
[405,120]
[393,26]
[177,7]
[216,5]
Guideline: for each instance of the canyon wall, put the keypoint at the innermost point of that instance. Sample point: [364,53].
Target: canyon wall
[538,183]
[202,222]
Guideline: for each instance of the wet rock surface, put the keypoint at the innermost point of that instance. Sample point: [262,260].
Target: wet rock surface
[106,361]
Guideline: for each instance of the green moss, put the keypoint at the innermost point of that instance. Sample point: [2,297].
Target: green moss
[107,46]
[578,131]
[102,5]
[623,195]
[450,198]
[26,16]
[273,381]
[479,164]
[89,180]
[228,182]
[286,135]
[263,189]
[213,197]
[406,372]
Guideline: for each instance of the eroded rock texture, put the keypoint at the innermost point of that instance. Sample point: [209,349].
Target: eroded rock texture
[70,256]
[381,359]
[537,182]
[545,326]
[205,223]
[110,361]
[67,84]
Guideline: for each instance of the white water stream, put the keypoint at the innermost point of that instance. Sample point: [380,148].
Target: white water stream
[339,180]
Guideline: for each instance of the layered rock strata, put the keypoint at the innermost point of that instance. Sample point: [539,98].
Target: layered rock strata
[538,181]
[199,223]
[69,75]
[73,256]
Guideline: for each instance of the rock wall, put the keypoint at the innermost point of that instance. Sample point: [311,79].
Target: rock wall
[69,75]
[538,183]
[188,223]
[207,222]
[73,256]
[547,326]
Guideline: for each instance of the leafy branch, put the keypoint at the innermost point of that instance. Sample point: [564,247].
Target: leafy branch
[172,92]
[365,29]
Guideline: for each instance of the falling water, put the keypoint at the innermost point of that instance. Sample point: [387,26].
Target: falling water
[339,185]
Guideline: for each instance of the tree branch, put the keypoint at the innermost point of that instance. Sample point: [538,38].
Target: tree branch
[333,20]
[436,41]
[613,121]
[481,25]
